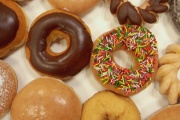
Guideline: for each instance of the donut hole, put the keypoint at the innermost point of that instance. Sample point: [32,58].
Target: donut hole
[137,2]
[123,59]
[59,45]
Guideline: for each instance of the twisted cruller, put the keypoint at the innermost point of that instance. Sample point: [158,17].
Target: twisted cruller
[135,15]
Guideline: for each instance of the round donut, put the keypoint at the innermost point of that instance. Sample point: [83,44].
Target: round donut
[140,44]
[8,87]
[78,7]
[106,105]
[56,25]
[46,98]
[147,12]
[13,27]
[170,112]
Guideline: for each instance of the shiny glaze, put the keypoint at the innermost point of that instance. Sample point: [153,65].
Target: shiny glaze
[69,62]
[9,25]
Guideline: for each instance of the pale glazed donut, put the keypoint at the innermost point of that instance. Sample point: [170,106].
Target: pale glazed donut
[75,6]
[167,73]
[13,27]
[8,87]
[46,98]
[140,44]
[106,105]
[170,112]
[55,25]
[147,12]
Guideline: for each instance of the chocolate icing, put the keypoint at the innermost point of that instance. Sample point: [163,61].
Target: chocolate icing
[9,25]
[70,62]
[156,6]
[113,5]
[147,16]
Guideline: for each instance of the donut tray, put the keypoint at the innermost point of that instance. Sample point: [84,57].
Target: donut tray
[99,20]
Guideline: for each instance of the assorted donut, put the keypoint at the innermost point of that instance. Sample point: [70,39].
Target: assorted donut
[147,12]
[49,97]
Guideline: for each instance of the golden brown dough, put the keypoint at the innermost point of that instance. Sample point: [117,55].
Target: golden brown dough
[106,105]
[48,99]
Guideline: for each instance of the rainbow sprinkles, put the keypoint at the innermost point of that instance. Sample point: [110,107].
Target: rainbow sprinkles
[134,39]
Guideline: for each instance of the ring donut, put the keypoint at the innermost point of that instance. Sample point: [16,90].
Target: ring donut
[140,44]
[13,27]
[147,12]
[82,7]
[56,25]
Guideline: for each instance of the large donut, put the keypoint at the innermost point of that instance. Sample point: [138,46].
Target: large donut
[75,6]
[55,25]
[140,44]
[147,12]
[13,27]
[106,105]
[8,87]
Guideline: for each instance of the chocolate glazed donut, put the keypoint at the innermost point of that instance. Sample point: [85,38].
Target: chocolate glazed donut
[73,59]
[147,11]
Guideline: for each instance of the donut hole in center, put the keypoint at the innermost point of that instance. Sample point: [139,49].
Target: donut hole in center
[137,3]
[57,42]
[123,59]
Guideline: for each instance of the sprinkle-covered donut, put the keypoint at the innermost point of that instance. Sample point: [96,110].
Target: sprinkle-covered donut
[126,12]
[56,25]
[140,44]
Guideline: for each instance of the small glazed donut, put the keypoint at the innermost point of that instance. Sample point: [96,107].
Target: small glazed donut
[167,73]
[74,6]
[170,112]
[13,27]
[8,87]
[140,44]
[56,25]
[147,12]
[46,98]
[106,105]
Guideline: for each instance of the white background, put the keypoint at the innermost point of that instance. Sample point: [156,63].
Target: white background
[99,21]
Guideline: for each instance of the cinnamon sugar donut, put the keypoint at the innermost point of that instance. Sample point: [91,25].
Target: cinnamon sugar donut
[8,87]
[52,26]
[106,105]
[140,44]
[147,12]
[13,27]
[75,6]
[46,98]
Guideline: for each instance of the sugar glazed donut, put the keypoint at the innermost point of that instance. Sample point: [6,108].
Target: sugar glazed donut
[8,87]
[13,27]
[74,6]
[46,98]
[140,44]
[147,12]
[55,25]
[106,105]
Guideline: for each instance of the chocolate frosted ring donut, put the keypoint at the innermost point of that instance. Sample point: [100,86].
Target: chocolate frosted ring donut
[147,11]
[49,27]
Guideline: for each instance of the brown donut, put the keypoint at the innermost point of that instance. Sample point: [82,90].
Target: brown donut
[147,12]
[56,25]
[75,6]
[8,87]
[13,27]
[48,99]
[106,105]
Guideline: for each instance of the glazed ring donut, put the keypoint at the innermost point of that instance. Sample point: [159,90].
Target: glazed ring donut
[8,87]
[106,105]
[56,25]
[13,27]
[140,44]
[74,6]
[147,12]
[46,98]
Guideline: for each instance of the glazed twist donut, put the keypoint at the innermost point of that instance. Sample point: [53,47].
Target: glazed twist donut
[147,11]
[167,73]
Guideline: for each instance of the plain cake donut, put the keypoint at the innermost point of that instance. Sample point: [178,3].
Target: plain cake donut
[8,87]
[46,98]
[56,25]
[140,44]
